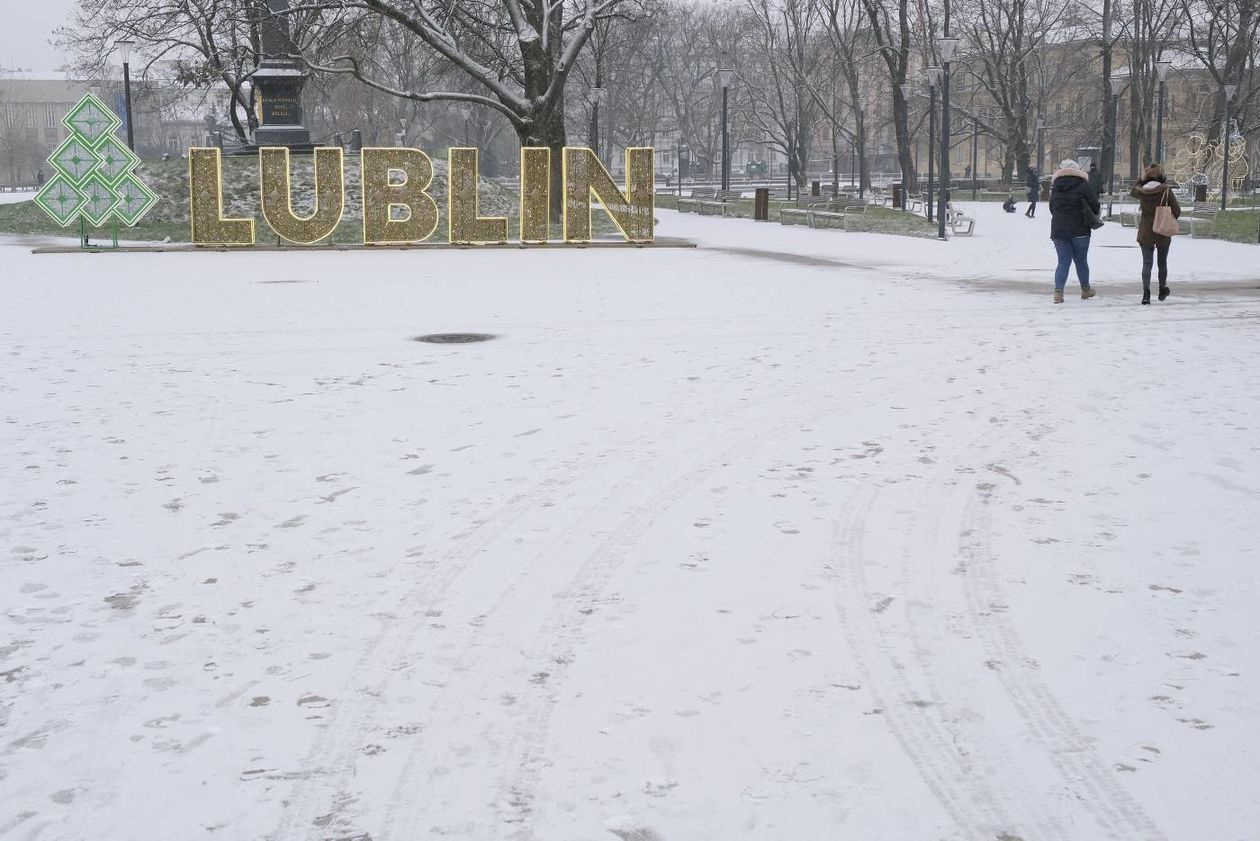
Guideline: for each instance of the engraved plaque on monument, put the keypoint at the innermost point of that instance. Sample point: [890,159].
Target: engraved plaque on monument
[278,85]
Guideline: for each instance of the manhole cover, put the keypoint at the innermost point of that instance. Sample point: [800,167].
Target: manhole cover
[454,338]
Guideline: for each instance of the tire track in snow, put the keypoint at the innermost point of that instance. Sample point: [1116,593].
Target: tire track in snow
[331,762]
[1013,814]
[930,751]
[562,628]
[1089,780]
[931,747]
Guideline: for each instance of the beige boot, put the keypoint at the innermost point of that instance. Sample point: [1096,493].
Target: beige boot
[1087,293]
[1058,296]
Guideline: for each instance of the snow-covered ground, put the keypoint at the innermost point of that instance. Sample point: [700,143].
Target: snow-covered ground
[797,535]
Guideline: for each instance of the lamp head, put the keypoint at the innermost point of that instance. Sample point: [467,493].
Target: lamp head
[1117,84]
[1230,90]
[1161,69]
[947,45]
[934,76]
[124,48]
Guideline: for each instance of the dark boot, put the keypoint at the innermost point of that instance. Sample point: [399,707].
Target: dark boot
[1163,291]
[1146,294]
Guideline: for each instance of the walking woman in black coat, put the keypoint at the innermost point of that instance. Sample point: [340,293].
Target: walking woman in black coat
[1070,193]
[1033,181]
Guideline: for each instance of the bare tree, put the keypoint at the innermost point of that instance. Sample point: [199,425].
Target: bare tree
[779,77]
[682,54]
[851,47]
[516,54]
[211,42]
[1223,35]
[1015,54]
[892,25]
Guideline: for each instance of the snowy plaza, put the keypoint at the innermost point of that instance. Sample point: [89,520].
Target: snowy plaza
[795,534]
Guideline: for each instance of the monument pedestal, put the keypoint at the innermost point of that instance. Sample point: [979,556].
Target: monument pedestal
[278,89]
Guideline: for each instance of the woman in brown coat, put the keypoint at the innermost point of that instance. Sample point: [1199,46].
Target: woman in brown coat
[1152,191]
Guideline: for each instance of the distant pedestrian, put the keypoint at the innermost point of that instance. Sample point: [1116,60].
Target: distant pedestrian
[1153,192]
[39,178]
[1033,180]
[967,171]
[1070,194]
[1095,178]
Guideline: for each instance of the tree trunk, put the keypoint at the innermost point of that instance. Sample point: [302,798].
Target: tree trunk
[901,127]
[547,129]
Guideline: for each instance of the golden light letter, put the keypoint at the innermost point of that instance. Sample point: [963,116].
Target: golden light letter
[535,194]
[381,196]
[631,211]
[205,190]
[277,194]
[463,224]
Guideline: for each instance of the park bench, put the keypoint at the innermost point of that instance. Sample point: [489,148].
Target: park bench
[852,214]
[718,204]
[960,224]
[1199,217]
[698,195]
[800,211]
[833,211]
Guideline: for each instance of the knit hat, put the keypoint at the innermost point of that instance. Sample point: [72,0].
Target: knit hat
[1068,164]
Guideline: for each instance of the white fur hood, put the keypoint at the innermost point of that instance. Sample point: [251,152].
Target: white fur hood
[1152,187]
[1060,173]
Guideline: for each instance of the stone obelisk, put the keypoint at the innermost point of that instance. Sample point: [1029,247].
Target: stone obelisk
[278,84]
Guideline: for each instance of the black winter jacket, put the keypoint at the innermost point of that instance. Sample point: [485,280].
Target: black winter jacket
[1069,189]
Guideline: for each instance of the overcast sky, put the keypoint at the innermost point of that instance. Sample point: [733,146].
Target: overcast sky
[28,27]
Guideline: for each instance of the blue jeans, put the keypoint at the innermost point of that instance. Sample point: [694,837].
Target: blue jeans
[1072,251]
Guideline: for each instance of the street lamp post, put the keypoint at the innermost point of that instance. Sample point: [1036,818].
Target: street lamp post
[1041,146]
[975,157]
[934,79]
[859,137]
[853,157]
[1228,91]
[835,158]
[947,45]
[124,48]
[1117,85]
[598,95]
[906,177]
[1161,70]
[678,163]
[724,77]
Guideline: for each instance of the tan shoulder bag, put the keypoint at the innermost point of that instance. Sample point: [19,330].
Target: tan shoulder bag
[1165,223]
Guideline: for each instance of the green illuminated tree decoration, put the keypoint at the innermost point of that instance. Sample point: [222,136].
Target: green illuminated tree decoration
[95,179]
